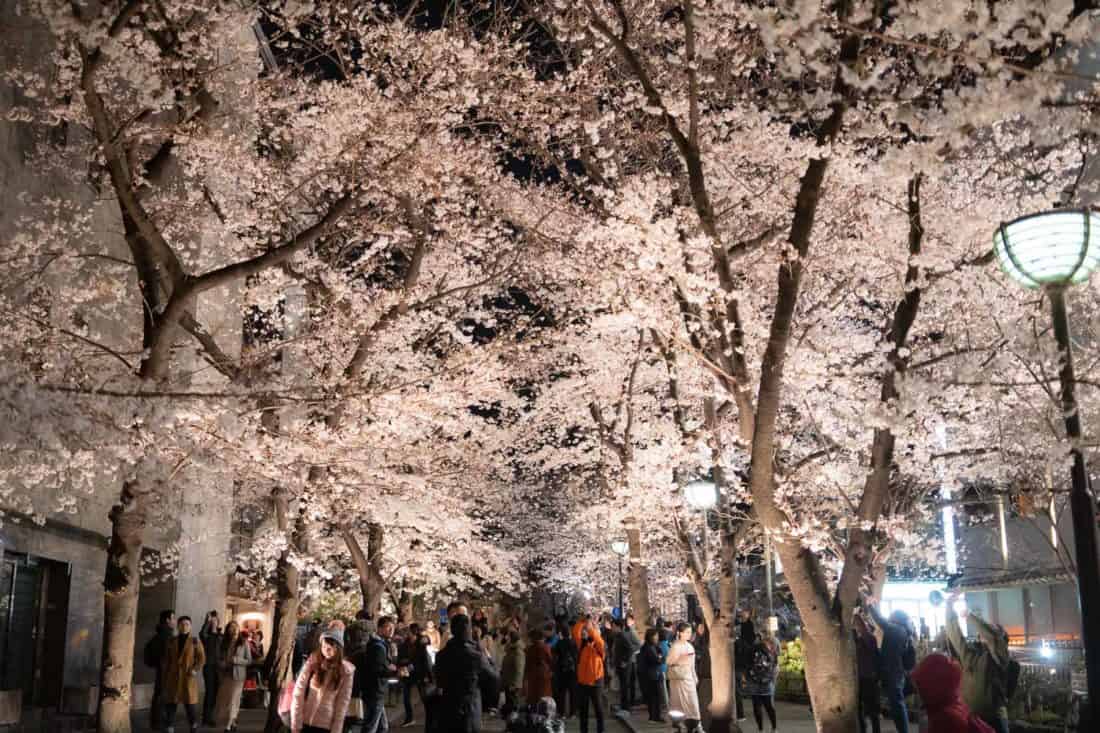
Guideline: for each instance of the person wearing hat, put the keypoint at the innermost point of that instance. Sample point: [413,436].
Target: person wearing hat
[322,691]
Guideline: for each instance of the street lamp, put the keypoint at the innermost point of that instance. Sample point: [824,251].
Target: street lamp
[702,494]
[620,548]
[1050,252]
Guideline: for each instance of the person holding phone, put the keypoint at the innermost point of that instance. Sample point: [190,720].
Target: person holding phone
[211,636]
[590,673]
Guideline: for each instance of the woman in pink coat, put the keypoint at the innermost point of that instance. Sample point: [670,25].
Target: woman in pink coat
[328,679]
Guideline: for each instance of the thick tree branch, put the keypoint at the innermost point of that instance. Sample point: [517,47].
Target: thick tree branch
[119,172]
[860,550]
[214,353]
[191,286]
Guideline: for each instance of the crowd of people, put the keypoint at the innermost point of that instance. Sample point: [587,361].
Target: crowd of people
[469,668]
[343,676]
[222,657]
[963,684]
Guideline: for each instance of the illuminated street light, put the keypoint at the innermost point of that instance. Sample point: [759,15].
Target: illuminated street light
[701,494]
[620,548]
[1050,252]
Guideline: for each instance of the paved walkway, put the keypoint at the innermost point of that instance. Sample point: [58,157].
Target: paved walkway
[792,719]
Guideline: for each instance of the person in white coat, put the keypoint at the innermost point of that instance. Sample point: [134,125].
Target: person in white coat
[682,682]
[236,655]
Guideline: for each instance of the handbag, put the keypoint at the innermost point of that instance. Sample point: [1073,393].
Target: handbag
[355,709]
[678,672]
[286,700]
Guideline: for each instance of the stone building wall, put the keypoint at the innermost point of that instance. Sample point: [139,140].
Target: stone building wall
[79,537]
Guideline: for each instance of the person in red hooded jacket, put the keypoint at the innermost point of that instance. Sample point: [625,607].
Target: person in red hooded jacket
[937,679]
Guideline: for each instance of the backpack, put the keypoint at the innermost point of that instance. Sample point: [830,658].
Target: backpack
[909,655]
[762,670]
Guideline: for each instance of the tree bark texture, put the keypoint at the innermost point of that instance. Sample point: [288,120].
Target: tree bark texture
[278,666]
[638,577]
[719,626]
[404,607]
[829,651]
[121,584]
[369,566]
[831,675]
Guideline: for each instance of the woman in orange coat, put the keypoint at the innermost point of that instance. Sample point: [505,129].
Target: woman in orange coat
[538,674]
[590,667]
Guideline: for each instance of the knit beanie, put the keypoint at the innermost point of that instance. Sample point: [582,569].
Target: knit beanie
[334,633]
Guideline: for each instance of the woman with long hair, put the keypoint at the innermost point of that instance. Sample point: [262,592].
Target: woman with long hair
[322,691]
[760,679]
[701,642]
[650,659]
[682,682]
[236,656]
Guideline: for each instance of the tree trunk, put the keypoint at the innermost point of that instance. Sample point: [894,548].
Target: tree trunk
[278,666]
[721,679]
[369,566]
[719,625]
[830,652]
[831,676]
[638,577]
[720,628]
[404,607]
[121,584]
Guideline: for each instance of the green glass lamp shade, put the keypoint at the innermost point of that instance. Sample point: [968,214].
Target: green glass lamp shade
[1055,248]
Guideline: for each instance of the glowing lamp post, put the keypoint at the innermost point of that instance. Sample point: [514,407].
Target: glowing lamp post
[1050,252]
[620,548]
[702,495]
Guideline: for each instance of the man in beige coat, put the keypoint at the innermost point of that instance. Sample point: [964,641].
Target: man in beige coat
[181,667]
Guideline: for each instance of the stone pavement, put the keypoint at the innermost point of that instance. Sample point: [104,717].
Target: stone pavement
[793,718]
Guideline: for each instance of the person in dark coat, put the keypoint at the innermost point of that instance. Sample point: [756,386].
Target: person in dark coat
[896,640]
[460,669]
[423,677]
[867,665]
[565,672]
[627,645]
[372,673]
[650,660]
[405,657]
[701,641]
[154,654]
[211,636]
[742,657]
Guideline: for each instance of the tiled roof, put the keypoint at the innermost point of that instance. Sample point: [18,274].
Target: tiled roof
[1015,578]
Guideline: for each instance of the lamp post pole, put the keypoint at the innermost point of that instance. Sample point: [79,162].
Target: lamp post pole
[768,573]
[706,538]
[1082,507]
[620,548]
[622,611]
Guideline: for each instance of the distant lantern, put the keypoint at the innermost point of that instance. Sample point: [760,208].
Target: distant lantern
[1054,248]
[620,548]
[701,494]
